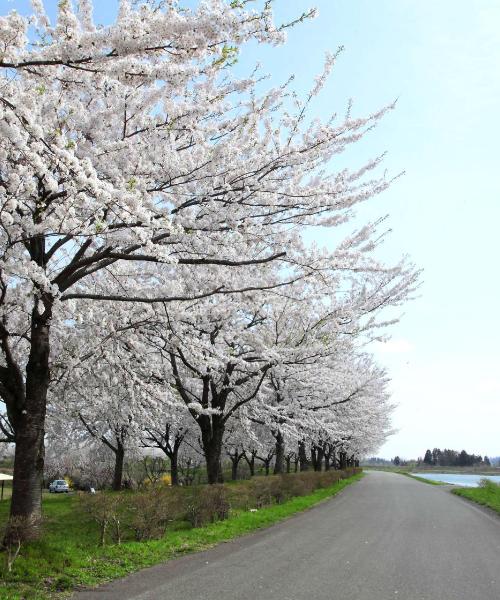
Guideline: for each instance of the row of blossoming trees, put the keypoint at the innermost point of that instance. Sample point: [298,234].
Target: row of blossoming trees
[154,279]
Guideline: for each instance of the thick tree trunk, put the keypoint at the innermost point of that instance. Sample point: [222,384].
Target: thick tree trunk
[212,447]
[212,432]
[29,425]
[327,462]
[288,463]
[317,457]
[28,471]
[304,463]
[342,460]
[279,462]
[212,459]
[118,474]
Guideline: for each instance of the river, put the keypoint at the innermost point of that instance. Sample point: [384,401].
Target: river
[463,479]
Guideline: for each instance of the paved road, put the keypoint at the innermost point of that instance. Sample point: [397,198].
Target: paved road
[387,537]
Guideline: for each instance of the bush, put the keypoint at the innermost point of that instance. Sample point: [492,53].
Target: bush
[146,514]
[261,491]
[17,531]
[105,509]
[207,504]
[151,511]
[488,484]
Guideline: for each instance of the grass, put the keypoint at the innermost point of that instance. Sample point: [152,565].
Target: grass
[67,556]
[487,494]
[423,479]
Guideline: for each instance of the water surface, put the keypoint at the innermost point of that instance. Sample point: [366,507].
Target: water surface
[463,479]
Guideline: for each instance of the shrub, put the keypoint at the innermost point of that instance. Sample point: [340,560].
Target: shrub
[105,509]
[17,531]
[207,504]
[239,496]
[146,514]
[151,511]
[261,491]
[488,484]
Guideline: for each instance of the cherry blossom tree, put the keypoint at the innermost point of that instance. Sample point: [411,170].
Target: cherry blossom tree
[168,430]
[135,168]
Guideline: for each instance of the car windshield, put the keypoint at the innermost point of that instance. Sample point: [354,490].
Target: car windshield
[60,482]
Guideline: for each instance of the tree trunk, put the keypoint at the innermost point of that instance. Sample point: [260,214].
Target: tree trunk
[342,460]
[28,472]
[288,463]
[212,432]
[327,462]
[234,469]
[30,425]
[251,463]
[213,464]
[118,474]
[212,448]
[280,454]
[220,476]
[304,463]
[235,461]
[174,467]
[317,457]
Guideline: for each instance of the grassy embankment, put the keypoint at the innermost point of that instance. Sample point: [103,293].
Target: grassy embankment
[404,471]
[68,555]
[487,494]
[423,479]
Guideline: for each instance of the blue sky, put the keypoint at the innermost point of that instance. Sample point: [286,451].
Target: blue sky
[441,60]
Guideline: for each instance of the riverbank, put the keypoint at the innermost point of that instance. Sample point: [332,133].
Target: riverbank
[422,479]
[68,556]
[487,494]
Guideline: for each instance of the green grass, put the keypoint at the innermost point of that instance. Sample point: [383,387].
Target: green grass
[68,557]
[487,494]
[423,479]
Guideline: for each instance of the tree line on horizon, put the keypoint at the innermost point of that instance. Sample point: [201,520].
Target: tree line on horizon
[453,458]
[445,458]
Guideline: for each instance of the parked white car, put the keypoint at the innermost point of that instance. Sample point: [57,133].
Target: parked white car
[59,486]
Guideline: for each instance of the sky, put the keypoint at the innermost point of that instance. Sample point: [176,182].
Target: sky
[441,61]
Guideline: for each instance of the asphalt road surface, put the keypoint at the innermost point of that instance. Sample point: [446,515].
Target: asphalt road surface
[386,537]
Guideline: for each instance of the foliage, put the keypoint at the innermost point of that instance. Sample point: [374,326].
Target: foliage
[453,458]
[156,285]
